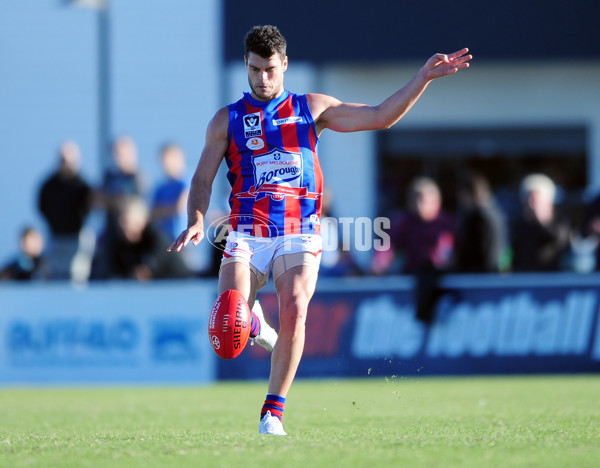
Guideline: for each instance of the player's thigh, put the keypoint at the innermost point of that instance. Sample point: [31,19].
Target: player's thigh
[296,286]
[238,275]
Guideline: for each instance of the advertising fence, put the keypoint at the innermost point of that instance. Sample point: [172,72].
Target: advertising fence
[109,333]
[482,325]
[156,333]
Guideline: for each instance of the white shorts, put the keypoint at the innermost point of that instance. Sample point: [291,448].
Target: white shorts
[263,254]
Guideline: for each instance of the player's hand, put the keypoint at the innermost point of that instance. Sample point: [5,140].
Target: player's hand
[194,234]
[446,64]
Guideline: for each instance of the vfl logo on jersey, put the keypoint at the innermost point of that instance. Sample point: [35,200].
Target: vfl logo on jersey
[255,143]
[278,167]
[287,120]
[252,125]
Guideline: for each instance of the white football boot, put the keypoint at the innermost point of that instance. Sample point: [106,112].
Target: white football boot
[267,336]
[271,425]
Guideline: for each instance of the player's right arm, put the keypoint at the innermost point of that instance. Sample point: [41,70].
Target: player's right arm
[213,152]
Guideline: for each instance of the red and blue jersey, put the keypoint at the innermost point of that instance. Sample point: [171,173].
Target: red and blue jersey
[274,171]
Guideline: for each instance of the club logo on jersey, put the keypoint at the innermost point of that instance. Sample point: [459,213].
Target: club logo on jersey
[255,143]
[252,125]
[278,174]
[278,167]
[287,120]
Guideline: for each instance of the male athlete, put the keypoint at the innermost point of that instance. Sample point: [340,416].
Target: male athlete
[269,141]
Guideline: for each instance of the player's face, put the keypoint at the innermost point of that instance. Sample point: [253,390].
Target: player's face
[265,76]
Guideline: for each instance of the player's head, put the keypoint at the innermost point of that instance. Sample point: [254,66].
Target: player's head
[265,62]
[265,41]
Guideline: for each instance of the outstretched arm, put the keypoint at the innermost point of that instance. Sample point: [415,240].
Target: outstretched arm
[201,186]
[333,114]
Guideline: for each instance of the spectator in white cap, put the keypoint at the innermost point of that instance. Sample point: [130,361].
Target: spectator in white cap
[540,238]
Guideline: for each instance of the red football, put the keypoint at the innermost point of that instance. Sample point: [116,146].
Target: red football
[229,324]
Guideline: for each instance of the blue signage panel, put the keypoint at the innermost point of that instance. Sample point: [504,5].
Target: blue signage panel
[157,332]
[108,333]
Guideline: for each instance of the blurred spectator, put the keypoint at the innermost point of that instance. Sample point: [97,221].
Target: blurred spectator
[65,199]
[138,250]
[422,237]
[170,196]
[335,260]
[29,263]
[539,237]
[590,234]
[480,232]
[422,241]
[123,179]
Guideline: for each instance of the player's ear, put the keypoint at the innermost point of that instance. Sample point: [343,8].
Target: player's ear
[284,64]
[246,60]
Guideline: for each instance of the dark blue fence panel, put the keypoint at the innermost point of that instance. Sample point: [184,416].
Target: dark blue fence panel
[482,325]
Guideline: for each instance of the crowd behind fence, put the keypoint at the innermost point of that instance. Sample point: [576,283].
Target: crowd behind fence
[422,238]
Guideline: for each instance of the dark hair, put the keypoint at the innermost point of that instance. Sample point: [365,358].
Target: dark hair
[265,41]
[475,184]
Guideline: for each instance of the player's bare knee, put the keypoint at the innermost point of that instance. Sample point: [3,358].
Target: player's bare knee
[240,277]
[292,315]
[295,304]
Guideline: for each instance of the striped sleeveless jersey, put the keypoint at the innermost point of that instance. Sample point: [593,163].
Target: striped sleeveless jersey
[274,171]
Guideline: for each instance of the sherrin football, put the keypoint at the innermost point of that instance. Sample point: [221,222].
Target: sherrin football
[229,324]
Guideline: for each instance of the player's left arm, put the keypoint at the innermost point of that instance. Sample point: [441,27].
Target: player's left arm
[338,116]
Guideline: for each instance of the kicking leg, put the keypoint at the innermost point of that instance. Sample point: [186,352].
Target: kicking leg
[238,275]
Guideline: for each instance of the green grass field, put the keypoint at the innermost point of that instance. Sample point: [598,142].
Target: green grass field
[466,422]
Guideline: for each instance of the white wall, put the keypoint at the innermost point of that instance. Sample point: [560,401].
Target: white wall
[166,80]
